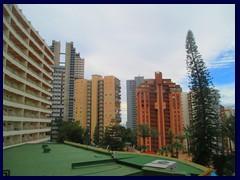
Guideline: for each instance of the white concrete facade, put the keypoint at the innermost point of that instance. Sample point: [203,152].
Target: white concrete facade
[27,62]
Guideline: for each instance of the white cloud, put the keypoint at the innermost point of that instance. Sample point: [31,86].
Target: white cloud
[227,92]
[130,40]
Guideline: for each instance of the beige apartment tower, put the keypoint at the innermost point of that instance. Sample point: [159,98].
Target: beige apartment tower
[79,67]
[27,76]
[97,102]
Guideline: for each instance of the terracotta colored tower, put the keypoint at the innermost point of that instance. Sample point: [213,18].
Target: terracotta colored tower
[159,105]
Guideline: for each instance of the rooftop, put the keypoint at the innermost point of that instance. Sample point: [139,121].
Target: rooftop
[72,159]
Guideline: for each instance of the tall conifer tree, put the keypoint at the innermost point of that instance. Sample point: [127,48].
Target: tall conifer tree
[205,121]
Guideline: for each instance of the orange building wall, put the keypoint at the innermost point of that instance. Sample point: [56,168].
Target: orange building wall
[159,105]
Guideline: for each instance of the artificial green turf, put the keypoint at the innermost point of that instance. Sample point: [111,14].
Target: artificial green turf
[141,159]
[29,160]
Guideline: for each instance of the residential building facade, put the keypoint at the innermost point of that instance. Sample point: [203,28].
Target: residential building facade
[79,67]
[131,101]
[57,99]
[159,105]
[72,61]
[186,116]
[97,102]
[64,77]
[27,76]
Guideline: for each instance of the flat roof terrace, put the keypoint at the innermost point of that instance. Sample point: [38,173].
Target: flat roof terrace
[79,160]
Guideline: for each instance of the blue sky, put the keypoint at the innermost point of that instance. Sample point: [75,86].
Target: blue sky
[131,40]
[223,70]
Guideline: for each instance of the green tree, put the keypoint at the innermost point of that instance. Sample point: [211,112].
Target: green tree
[144,132]
[205,117]
[96,137]
[171,136]
[164,149]
[178,143]
[126,135]
[134,137]
[113,136]
[228,128]
[175,142]
[87,136]
[71,131]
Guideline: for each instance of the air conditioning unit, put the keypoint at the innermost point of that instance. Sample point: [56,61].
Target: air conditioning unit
[164,164]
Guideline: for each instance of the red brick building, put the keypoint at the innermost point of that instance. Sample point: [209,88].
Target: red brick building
[159,105]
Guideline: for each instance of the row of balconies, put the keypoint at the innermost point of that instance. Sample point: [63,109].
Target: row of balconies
[18,139]
[18,126]
[28,114]
[28,102]
[13,49]
[28,32]
[15,82]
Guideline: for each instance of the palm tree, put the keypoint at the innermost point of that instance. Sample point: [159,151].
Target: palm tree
[144,132]
[176,145]
[165,150]
[178,142]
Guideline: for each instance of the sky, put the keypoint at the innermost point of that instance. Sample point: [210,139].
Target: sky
[127,40]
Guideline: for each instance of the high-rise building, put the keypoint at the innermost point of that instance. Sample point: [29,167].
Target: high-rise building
[73,69]
[56,49]
[97,102]
[27,76]
[186,115]
[185,108]
[79,67]
[159,106]
[131,101]
[70,57]
[57,99]
[72,61]
[58,90]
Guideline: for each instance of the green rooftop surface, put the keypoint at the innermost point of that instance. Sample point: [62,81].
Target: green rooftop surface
[29,160]
[140,160]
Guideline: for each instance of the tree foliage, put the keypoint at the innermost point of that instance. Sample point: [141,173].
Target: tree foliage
[96,136]
[116,136]
[228,128]
[87,136]
[134,137]
[144,132]
[113,137]
[71,131]
[175,143]
[205,117]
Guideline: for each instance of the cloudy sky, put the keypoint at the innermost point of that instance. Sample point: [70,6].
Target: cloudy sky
[131,40]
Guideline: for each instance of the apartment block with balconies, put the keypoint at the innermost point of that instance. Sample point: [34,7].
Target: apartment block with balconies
[97,102]
[159,105]
[27,71]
